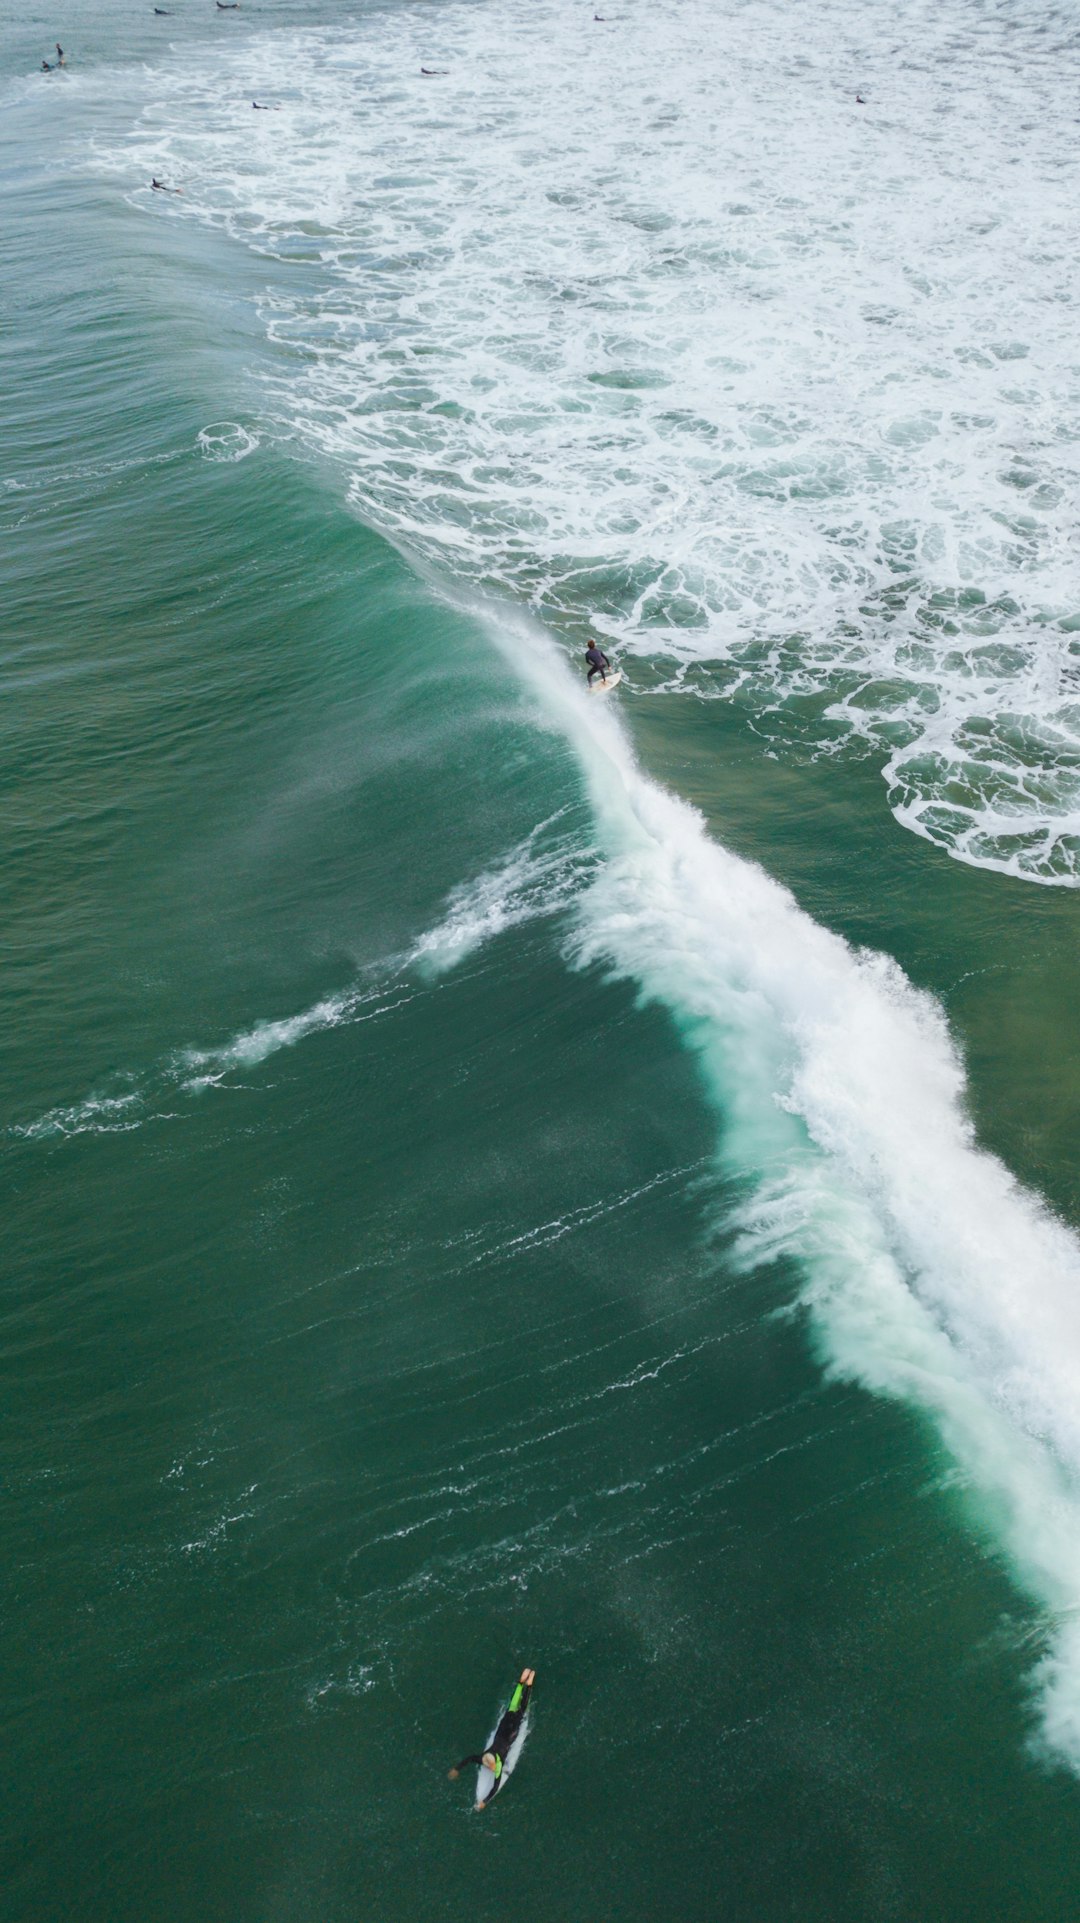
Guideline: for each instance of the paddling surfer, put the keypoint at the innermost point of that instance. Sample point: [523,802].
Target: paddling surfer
[494,1758]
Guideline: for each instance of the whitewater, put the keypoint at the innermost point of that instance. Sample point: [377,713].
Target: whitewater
[647,326]
[650,322]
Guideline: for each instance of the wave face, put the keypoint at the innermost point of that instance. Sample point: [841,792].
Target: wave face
[649,321]
[649,325]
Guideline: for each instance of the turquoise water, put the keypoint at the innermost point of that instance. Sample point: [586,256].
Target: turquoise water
[462,1211]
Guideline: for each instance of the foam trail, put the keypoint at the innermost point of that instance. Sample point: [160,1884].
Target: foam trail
[94,1115]
[930,1273]
[189,1070]
[196,1067]
[528,883]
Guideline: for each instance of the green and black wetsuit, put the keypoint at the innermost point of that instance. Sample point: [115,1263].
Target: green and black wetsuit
[509,1725]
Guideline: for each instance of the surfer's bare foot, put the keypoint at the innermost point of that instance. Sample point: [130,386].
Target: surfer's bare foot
[453,1775]
[528,1677]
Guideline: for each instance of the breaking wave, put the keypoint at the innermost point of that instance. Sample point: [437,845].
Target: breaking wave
[931,1274]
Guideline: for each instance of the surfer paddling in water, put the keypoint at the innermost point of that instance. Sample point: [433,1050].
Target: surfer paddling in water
[494,1758]
[597,660]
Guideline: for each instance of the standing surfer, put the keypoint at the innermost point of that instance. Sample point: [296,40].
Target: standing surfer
[597,660]
[494,1758]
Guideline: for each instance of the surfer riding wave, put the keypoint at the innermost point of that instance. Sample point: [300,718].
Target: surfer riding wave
[598,661]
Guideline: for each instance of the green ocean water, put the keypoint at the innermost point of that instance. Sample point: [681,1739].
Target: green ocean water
[347,1369]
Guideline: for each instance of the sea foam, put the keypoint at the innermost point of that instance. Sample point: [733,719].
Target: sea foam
[652,323]
[535,879]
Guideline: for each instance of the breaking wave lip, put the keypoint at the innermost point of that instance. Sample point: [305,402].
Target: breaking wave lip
[930,1274]
[782,389]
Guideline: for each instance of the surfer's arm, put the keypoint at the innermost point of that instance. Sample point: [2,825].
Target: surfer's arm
[464,1764]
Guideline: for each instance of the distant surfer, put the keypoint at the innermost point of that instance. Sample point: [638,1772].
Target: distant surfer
[597,660]
[859,101]
[494,1759]
[163,189]
[228,6]
[261,107]
[434,73]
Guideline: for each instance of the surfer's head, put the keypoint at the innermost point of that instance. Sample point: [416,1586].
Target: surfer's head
[489,1761]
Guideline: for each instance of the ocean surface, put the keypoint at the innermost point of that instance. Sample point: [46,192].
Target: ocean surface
[495,1175]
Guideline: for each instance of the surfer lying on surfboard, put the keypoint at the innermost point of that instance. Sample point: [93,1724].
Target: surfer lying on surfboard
[493,1760]
[597,660]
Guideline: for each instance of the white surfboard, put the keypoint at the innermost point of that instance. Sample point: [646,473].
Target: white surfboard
[484,1777]
[605,687]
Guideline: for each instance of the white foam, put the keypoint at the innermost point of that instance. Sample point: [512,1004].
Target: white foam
[194,1069]
[198,1066]
[652,324]
[357,1679]
[537,878]
[533,880]
[94,1115]
[227,441]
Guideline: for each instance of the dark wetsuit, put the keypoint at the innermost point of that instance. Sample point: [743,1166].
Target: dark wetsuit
[598,662]
[501,1743]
